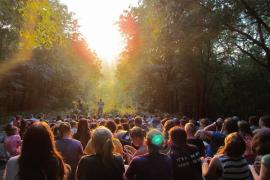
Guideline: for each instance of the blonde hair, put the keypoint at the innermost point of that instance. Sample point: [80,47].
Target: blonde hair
[101,142]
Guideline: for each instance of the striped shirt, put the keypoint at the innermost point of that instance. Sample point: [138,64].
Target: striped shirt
[234,169]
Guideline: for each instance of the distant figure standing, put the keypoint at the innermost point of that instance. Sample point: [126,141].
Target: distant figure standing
[100,107]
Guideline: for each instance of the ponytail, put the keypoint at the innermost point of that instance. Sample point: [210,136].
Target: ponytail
[108,153]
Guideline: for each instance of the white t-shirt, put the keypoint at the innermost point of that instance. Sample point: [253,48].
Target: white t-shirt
[12,168]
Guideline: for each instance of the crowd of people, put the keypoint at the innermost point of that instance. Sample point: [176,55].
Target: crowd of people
[137,148]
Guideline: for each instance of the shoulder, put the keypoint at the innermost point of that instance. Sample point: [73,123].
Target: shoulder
[13,160]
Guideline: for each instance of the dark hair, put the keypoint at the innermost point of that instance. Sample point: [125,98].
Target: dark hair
[230,126]
[137,132]
[39,158]
[261,142]
[138,121]
[253,120]
[83,132]
[178,136]
[11,130]
[235,145]
[244,128]
[111,125]
[125,126]
[265,120]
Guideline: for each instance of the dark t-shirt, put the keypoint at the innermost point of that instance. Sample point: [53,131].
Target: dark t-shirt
[199,144]
[92,167]
[150,166]
[186,163]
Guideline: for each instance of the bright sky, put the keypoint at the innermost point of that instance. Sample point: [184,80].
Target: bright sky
[97,19]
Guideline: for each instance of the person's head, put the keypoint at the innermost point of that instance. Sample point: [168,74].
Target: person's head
[154,140]
[155,122]
[11,130]
[38,153]
[111,125]
[138,121]
[261,143]
[64,130]
[204,122]
[83,132]
[83,126]
[178,136]
[137,136]
[125,126]
[190,129]
[183,122]
[167,126]
[235,145]
[264,122]
[229,126]
[101,142]
[253,121]
[73,124]
[244,128]
[219,123]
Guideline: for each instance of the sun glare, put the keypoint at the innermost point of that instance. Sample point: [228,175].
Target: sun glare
[97,20]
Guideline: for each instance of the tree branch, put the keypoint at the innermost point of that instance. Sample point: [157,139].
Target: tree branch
[255,41]
[253,13]
[252,57]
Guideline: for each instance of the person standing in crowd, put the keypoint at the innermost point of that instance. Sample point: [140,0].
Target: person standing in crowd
[229,163]
[70,149]
[39,159]
[83,132]
[103,164]
[246,133]
[191,139]
[101,105]
[12,142]
[264,124]
[152,165]
[264,170]
[254,123]
[260,147]
[216,138]
[186,163]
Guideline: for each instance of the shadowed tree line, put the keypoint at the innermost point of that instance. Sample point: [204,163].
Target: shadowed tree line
[197,57]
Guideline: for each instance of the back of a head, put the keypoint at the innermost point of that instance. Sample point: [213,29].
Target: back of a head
[82,125]
[64,129]
[204,122]
[11,130]
[154,140]
[137,132]
[265,121]
[178,136]
[230,126]
[38,151]
[234,145]
[99,137]
[190,128]
[111,125]
[244,128]
[138,121]
[261,143]
[253,121]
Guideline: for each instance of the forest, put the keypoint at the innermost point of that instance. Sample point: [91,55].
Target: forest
[197,57]
[194,57]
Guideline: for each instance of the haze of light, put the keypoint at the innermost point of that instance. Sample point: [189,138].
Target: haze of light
[97,20]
